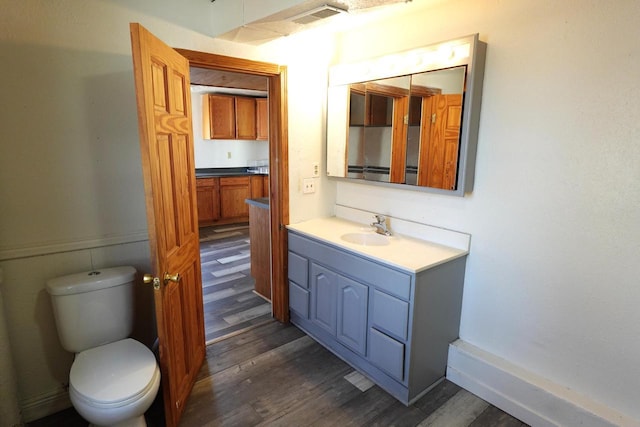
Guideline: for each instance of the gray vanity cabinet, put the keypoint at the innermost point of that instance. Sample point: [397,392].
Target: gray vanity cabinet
[391,324]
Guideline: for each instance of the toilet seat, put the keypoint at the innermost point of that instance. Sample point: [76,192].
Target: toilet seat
[114,374]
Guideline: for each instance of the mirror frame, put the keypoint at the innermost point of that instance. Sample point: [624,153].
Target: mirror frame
[466,51]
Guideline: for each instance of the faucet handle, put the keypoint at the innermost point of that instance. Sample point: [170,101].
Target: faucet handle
[380,218]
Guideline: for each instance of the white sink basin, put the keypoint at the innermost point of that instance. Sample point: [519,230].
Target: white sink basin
[366,239]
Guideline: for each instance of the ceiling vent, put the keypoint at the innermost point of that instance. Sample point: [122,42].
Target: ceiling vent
[316,14]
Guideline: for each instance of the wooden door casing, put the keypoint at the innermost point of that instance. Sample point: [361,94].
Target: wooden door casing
[166,144]
[278,160]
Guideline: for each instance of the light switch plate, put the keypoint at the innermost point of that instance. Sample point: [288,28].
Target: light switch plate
[308,186]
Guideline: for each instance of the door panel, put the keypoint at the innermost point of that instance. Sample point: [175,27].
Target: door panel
[166,144]
[353,300]
[323,298]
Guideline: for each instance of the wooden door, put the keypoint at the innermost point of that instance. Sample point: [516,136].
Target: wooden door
[444,140]
[166,143]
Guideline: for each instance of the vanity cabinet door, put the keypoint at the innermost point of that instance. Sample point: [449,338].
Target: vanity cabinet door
[298,284]
[353,298]
[386,353]
[390,314]
[299,300]
[324,286]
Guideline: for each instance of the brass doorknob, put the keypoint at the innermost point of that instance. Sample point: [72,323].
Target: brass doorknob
[171,278]
[150,278]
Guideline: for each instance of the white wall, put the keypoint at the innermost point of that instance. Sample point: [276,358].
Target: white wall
[552,278]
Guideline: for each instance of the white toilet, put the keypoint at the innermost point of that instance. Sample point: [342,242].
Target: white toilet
[114,379]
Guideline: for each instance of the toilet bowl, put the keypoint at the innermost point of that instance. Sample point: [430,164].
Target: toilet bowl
[114,379]
[114,384]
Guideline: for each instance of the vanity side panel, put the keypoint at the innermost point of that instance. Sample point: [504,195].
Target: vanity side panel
[438,293]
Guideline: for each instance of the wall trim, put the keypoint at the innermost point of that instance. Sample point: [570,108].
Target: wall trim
[69,246]
[527,396]
[44,405]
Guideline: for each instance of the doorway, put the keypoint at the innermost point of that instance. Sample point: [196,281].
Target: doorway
[278,161]
[231,151]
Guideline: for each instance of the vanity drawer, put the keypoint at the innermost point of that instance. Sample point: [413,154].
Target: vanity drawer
[348,264]
[298,270]
[386,353]
[299,300]
[390,314]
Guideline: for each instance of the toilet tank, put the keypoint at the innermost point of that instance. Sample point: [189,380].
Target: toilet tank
[93,308]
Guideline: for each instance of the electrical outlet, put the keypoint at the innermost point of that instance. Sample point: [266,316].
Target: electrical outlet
[316,169]
[308,186]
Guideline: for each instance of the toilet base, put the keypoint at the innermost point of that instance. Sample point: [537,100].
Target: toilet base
[132,422]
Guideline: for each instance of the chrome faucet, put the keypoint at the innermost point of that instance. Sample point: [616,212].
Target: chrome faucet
[381,225]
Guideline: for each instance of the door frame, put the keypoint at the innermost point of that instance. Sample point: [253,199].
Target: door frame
[278,161]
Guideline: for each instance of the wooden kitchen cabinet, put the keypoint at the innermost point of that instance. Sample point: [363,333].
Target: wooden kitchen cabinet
[207,197]
[218,117]
[262,119]
[233,193]
[221,200]
[234,117]
[259,186]
[245,118]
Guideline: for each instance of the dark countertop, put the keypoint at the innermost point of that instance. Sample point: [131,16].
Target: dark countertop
[262,202]
[213,172]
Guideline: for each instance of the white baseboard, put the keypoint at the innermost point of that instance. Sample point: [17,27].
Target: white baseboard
[44,405]
[528,397]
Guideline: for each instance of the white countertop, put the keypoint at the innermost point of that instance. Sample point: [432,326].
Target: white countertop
[402,251]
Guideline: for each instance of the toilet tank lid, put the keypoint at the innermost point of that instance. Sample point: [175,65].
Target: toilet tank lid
[90,280]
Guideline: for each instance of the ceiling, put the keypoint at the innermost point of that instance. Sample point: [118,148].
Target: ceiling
[305,15]
[276,25]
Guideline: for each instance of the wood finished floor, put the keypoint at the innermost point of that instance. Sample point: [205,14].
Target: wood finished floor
[230,305]
[275,375]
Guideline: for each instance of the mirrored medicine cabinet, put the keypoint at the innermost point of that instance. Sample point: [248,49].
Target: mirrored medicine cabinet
[408,119]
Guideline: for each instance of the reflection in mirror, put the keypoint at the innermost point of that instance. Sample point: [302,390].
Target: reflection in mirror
[377,134]
[419,108]
[433,134]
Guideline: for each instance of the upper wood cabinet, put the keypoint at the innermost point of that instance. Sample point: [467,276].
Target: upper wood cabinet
[262,118]
[218,117]
[245,118]
[234,117]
